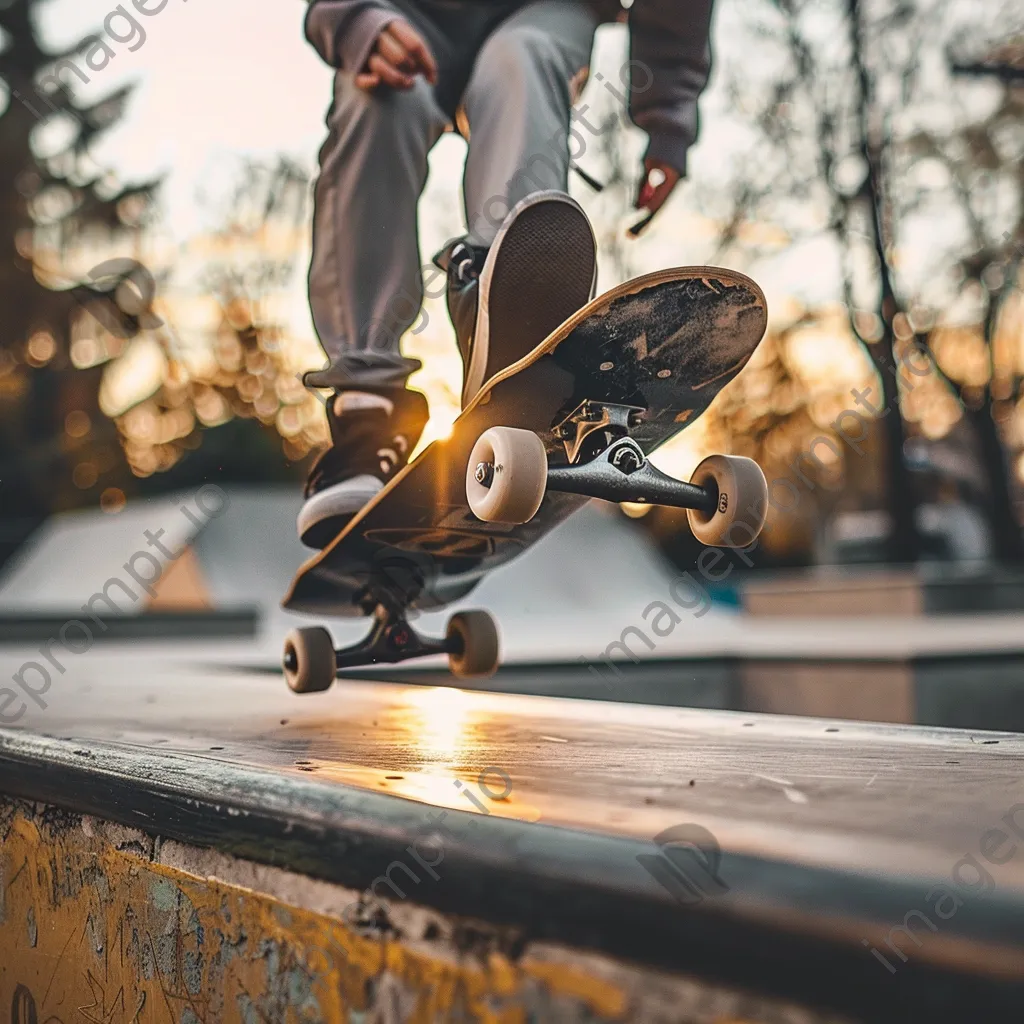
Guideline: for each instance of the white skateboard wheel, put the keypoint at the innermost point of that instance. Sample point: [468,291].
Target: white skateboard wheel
[507,475]
[742,505]
[478,645]
[309,664]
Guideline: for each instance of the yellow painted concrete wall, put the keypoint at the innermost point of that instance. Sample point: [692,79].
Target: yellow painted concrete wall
[92,933]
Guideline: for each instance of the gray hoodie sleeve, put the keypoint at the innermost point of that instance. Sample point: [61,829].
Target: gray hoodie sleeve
[670,60]
[343,31]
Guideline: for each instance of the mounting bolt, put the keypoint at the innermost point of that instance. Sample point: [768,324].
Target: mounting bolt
[484,473]
[399,637]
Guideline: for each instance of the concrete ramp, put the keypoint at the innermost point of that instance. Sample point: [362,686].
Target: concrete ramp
[241,554]
[71,555]
[579,587]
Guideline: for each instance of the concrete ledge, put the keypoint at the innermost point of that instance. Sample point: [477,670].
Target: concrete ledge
[984,691]
[241,941]
[213,624]
[162,820]
[921,590]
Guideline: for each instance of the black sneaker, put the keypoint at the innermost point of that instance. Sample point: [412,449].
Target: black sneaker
[505,300]
[373,435]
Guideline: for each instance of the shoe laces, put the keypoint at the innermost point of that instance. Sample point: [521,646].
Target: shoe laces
[390,456]
[466,263]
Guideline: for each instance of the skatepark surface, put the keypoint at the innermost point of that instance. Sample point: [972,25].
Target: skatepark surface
[576,615]
[830,832]
[567,598]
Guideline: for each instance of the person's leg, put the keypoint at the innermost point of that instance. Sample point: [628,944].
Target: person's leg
[529,260]
[517,106]
[365,291]
[365,285]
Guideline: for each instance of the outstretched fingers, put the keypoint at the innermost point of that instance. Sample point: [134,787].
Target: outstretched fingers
[658,182]
[398,56]
[417,52]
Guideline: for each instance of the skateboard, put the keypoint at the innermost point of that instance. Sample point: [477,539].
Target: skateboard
[574,419]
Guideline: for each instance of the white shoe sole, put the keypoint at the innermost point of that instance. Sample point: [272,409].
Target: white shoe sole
[340,501]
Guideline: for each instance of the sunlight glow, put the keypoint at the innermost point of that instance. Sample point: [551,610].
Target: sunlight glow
[440,718]
[635,509]
[132,377]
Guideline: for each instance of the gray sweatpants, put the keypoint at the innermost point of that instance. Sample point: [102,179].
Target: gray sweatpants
[506,77]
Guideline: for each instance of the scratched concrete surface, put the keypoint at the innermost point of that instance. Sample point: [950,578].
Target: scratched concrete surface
[107,925]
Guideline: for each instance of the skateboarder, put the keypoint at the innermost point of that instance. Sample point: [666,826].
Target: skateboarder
[505,73]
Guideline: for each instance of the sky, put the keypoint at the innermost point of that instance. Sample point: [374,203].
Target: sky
[221,79]
[215,79]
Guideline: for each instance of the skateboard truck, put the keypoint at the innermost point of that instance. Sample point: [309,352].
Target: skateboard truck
[391,639]
[591,426]
[311,663]
[622,473]
[508,475]
[605,462]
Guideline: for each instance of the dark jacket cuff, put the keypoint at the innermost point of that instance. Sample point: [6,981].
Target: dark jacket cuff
[343,32]
[360,38]
[669,149]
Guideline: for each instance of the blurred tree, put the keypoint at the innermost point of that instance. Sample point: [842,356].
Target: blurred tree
[55,207]
[981,154]
[1004,62]
[840,95]
[782,412]
[827,118]
[227,395]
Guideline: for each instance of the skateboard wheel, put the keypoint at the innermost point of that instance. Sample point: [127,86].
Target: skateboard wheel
[309,664]
[507,475]
[742,502]
[478,646]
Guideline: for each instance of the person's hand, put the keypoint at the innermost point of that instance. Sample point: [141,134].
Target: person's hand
[657,185]
[399,55]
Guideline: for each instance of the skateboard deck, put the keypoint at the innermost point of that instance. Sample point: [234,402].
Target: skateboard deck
[667,342]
